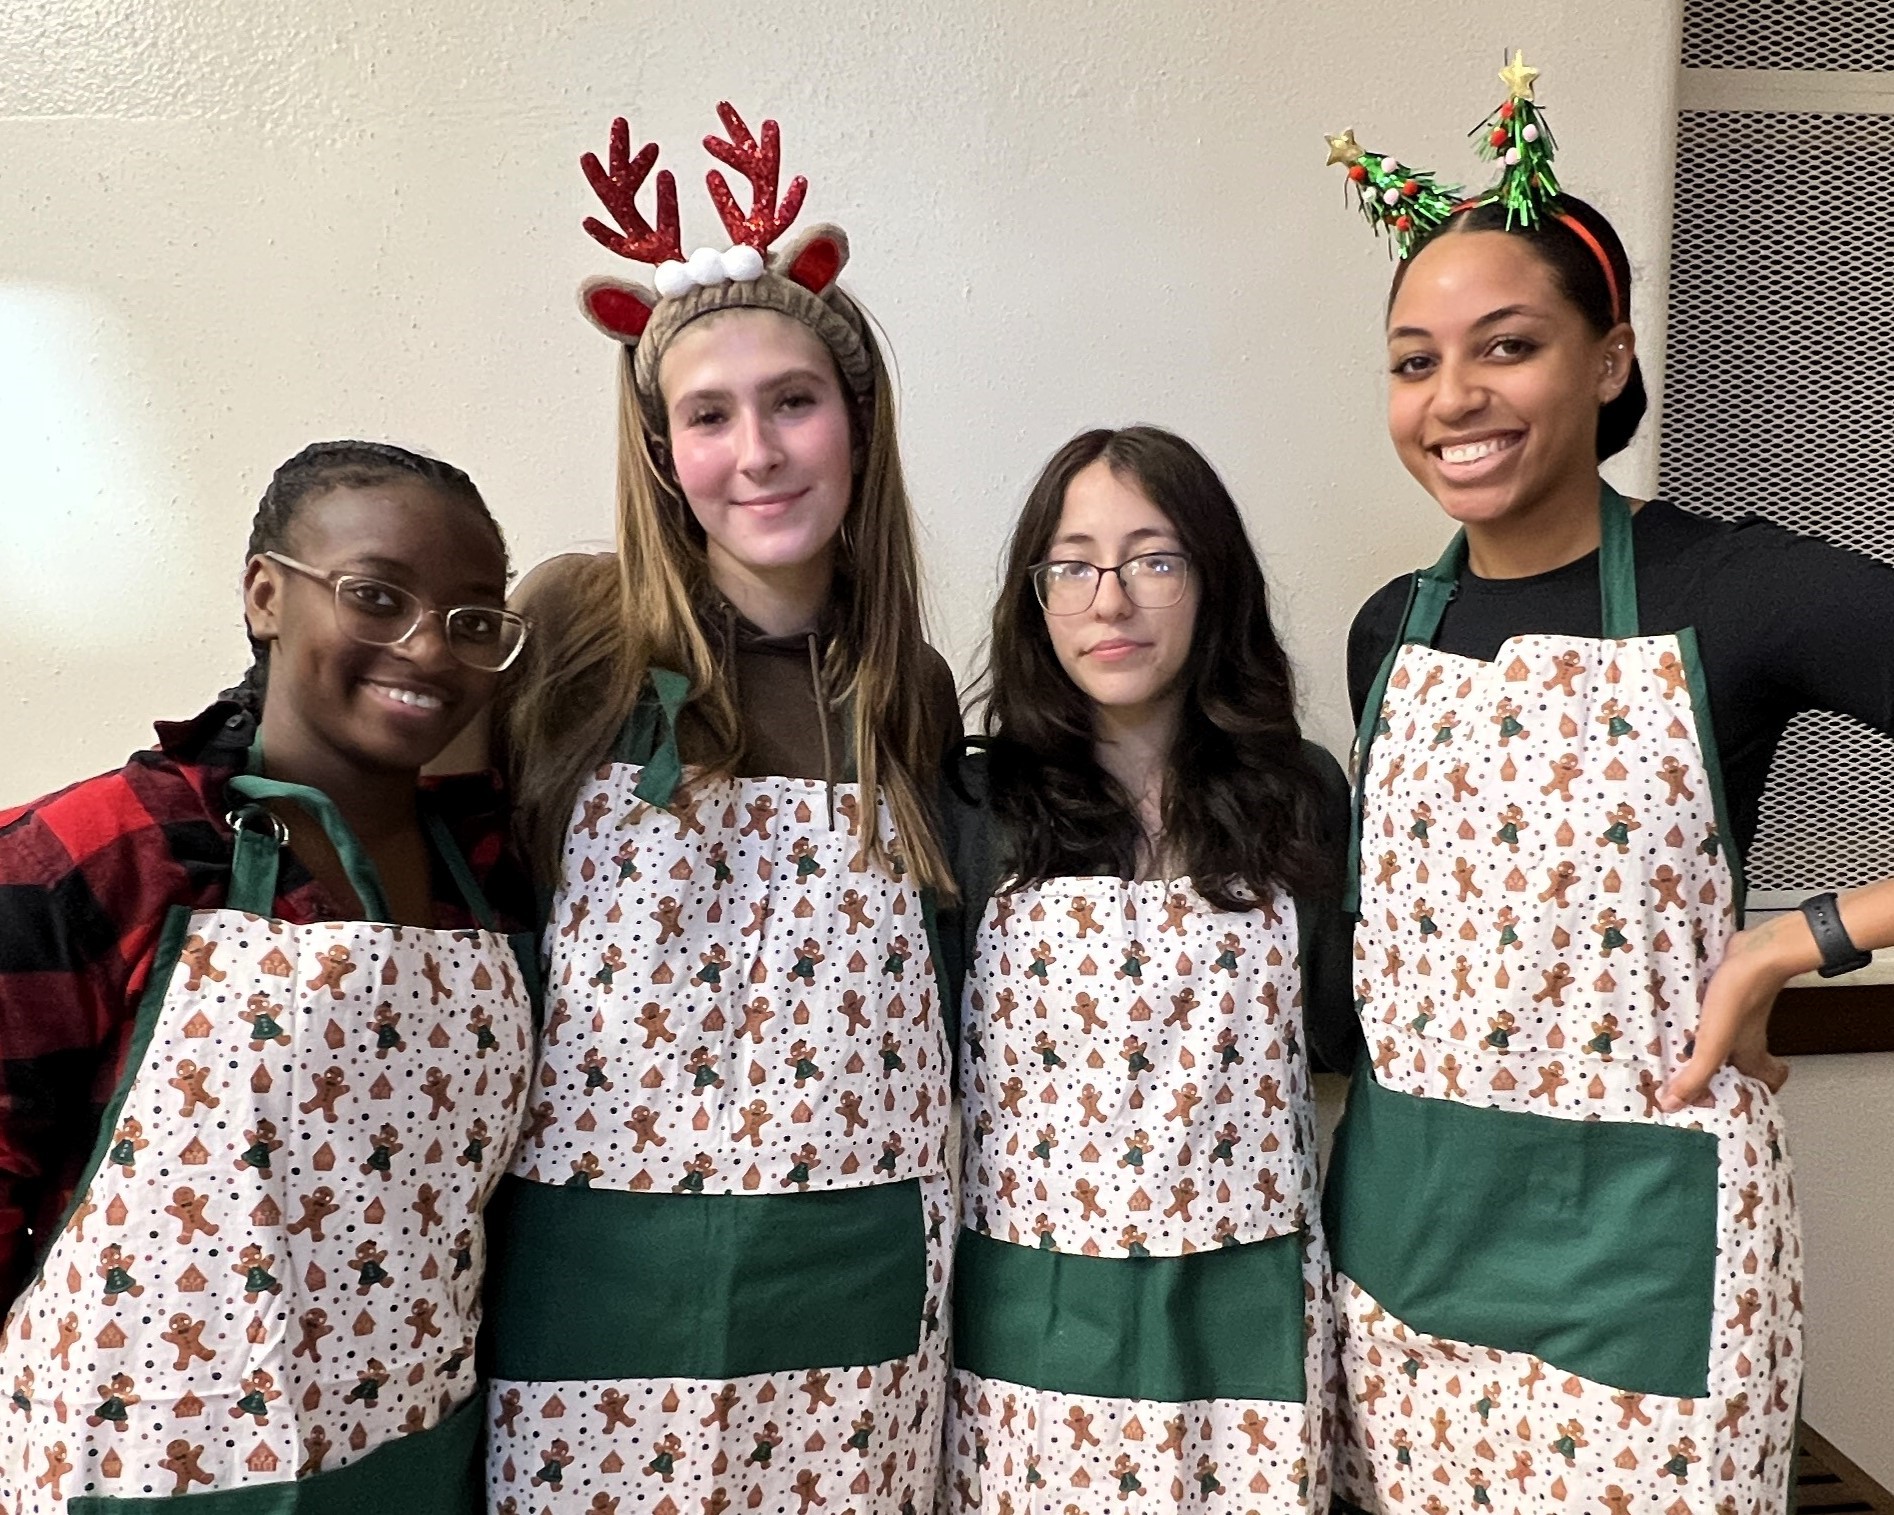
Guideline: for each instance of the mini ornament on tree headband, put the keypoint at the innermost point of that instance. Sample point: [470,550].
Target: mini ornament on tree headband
[1517,137]
[1407,203]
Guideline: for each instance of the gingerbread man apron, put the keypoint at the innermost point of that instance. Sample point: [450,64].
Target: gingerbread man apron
[267,1291]
[1138,1316]
[720,1281]
[1550,1294]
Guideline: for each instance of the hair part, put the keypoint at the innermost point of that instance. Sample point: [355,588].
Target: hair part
[614,622]
[317,470]
[1579,277]
[1242,804]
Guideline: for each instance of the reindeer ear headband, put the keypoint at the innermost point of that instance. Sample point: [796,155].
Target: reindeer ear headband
[1410,204]
[798,282]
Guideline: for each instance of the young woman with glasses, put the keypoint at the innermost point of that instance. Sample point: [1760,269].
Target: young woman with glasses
[263,1044]
[1148,858]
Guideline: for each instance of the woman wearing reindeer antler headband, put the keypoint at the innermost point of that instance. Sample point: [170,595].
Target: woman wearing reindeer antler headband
[721,1269]
[1561,1212]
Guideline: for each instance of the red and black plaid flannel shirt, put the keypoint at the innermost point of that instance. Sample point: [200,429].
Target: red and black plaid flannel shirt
[87,878]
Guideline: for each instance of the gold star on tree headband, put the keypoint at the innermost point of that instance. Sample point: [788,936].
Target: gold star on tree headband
[1410,204]
[1517,77]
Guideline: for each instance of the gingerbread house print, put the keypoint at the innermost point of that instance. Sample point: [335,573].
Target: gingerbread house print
[262,1460]
[188,1408]
[276,965]
[192,1280]
[111,1337]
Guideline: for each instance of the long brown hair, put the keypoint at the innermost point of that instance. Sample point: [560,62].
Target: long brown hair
[616,620]
[1242,802]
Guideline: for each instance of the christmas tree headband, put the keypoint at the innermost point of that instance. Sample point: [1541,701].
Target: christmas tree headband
[1411,204]
[798,281]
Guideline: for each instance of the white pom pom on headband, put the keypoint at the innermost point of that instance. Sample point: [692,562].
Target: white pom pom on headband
[707,267]
[798,282]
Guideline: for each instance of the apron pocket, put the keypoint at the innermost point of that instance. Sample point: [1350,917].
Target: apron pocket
[606,1284]
[1590,1245]
[435,1472]
[1224,1323]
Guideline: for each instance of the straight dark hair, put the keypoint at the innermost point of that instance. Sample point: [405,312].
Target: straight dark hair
[1241,801]
[1580,277]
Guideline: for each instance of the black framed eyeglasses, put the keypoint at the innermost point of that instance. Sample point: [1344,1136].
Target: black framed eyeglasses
[1151,581]
[381,614]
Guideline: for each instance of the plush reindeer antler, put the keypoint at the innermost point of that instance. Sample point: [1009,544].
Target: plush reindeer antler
[760,163]
[618,191]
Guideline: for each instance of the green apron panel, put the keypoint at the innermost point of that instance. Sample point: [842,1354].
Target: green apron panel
[1590,1245]
[437,1472]
[1221,1324]
[603,1283]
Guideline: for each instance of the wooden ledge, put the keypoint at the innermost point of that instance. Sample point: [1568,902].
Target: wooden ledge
[1841,1018]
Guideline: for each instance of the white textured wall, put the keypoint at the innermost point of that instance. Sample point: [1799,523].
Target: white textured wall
[231,228]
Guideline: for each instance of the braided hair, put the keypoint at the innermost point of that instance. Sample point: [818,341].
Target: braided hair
[313,472]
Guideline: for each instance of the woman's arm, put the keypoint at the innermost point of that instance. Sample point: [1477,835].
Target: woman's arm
[87,877]
[1734,1024]
[1821,619]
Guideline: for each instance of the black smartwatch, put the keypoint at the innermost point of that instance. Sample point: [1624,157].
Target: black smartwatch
[1839,953]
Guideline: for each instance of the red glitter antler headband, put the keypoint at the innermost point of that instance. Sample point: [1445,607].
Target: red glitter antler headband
[624,311]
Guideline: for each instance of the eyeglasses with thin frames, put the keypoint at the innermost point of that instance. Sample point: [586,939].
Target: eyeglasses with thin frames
[1151,581]
[380,614]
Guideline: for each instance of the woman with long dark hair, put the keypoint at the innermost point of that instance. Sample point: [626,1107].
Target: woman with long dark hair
[1147,852]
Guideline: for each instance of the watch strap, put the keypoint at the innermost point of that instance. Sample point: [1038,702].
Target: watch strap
[1839,953]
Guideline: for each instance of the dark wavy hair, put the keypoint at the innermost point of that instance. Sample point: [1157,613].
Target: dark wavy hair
[312,473]
[1241,802]
[1580,278]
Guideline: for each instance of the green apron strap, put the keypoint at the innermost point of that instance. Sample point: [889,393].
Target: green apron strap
[1617,566]
[260,837]
[356,862]
[450,854]
[654,731]
[1428,596]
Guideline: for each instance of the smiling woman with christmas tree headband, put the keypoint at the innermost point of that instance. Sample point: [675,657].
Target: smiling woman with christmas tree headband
[1563,1222]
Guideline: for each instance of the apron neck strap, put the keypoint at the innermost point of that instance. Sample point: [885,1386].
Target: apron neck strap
[449,850]
[1617,566]
[1435,587]
[256,892]
[652,738]
[261,836]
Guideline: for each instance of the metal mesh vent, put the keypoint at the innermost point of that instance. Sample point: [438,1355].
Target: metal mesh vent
[1844,36]
[1779,402]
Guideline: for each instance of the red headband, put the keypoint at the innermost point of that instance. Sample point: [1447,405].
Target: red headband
[1584,234]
